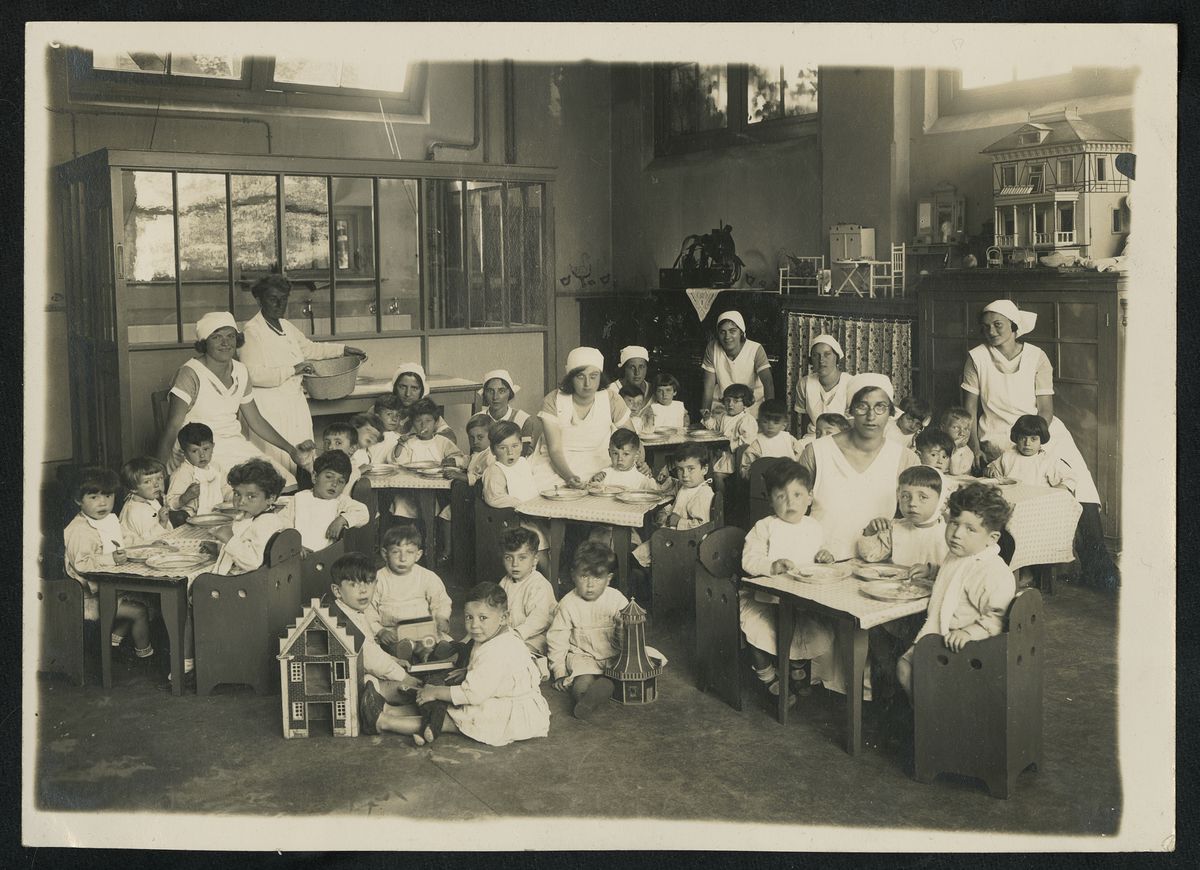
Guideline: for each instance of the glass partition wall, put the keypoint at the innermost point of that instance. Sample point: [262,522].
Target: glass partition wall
[373,249]
[365,255]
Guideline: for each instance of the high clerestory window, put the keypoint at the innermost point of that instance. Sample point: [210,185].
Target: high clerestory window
[158,76]
[1030,81]
[699,106]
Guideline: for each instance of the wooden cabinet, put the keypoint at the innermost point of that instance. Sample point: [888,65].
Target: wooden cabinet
[1080,325]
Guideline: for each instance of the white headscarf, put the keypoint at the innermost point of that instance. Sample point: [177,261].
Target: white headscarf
[581,357]
[498,374]
[870,379]
[412,368]
[633,351]
[1025,320]
[830,342]
[211,322]
[736,318]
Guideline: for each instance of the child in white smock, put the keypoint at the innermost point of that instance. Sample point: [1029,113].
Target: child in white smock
[423,444]
[481,452]
[344,437]
[531,601]
[918,538]
[934,448]
[323,513]
[406,592]
[1027,462]
[692,505]
[508,481]
[256,487]
[391,417]
[773,439]
[956,422]
[666,412]
[199,484]
[783,542]
[732,420]
[144,518]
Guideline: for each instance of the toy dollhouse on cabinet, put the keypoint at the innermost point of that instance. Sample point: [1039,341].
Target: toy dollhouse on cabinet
[320,673]
[1056,188]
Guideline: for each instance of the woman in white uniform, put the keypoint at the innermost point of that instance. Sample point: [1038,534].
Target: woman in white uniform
[823,389]
[409,385]
[854,481]
[1003,379]
[214,389]
[277,355]
[498,392]
[731,358]
[577,420]
[633,362]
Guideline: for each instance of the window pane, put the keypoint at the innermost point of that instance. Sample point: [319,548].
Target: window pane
[130,61]
[800,89]
[443,254]
[307,71]
[763,96]
[485,253]
[213,66]
[149,209]
[354,255]
[699,97]
[384,75]
[254,202]
[306,250]
[523,254]
[203,246]
[399,255]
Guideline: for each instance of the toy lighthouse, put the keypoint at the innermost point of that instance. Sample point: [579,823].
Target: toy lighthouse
[635,673]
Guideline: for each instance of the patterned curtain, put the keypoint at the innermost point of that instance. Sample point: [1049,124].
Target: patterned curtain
[871,345]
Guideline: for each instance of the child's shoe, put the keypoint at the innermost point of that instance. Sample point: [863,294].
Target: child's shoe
[370,708]
[800,684]
[770,680]
[595,696]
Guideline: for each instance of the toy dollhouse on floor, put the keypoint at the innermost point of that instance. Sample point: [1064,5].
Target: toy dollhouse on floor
[1056,189]
[320,673]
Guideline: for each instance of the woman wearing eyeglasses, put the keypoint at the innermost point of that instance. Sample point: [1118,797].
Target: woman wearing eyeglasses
[854,472]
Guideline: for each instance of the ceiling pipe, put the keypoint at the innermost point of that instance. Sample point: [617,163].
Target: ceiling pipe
[431,153]
[149,113]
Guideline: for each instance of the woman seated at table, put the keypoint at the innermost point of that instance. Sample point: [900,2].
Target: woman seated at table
[854,481]
[409,386]
[732,358]
[278,355]
[577,420]
[214,389]
[823,389]
[633,363]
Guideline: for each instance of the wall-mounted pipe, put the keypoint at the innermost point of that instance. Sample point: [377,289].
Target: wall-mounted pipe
[187,116]
[431,153]
[510,111]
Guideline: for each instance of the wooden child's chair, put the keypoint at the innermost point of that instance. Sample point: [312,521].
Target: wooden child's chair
[364,539]
[718,632]
[462,535]
[673,555]
[64,631]
[758,504]
[978,712]
[239,618]
[490,525]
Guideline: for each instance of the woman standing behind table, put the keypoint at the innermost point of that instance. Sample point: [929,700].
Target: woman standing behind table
[854,482]
[1005,379]
[731,358]
[823,389]
[214,389]
[634,363]
[577,420]
[498,392]
[278,355]
[409,385]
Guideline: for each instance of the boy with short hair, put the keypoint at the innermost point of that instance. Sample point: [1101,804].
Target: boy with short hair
[344,437]
[405,593]
[391,416]
[508,480]
[323,513]
[481,452]
[624,451]
[198,485]
[934,448]
[773,439]
[93,539]
[974,586]
[423,444]
[956,422]
[531,601]
[638,406]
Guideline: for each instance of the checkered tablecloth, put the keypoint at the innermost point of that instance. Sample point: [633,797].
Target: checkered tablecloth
[406,480]
[1042,524]
[591,509]
[185,539]
[844,596]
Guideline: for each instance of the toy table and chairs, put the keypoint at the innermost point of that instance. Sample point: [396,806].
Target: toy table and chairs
[623,518]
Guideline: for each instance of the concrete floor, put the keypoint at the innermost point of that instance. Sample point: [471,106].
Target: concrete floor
[687,756]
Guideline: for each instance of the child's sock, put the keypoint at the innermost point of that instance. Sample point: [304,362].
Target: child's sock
[144,653]
[189,665]
[117,639]
[767,676]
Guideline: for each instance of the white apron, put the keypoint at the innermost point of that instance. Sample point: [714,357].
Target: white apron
[915,545]
[845,500]
[585,441]
[739,370]
[817,401]
[269,356]
[519,477]
[217,407]
[1005,397]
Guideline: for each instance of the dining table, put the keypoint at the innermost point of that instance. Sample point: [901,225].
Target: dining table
[659,443]
[608,510]
[170,585]
[424,488]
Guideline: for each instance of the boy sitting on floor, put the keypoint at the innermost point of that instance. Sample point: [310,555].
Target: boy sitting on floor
[407,594]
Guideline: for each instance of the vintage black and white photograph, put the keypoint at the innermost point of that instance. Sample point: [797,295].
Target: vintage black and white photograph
[490,436]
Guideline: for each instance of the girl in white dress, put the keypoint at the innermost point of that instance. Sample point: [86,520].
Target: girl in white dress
[144,516]
[495,700]
[785,541]
[667,412]
[823,389]
[278,355]
[509,480]
[1027,462]
[214,389]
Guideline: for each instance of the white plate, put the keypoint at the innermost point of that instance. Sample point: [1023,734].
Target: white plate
[563,494]
[704,435]
[654,436]
[882,572]
[178,561]
[890,590]
[381,469]
[604,489]
[638,497]
[147,551]
[819,574]
[436,471]
[423,465]
[206,521]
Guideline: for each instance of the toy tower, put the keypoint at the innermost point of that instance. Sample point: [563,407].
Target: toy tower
[634,673]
